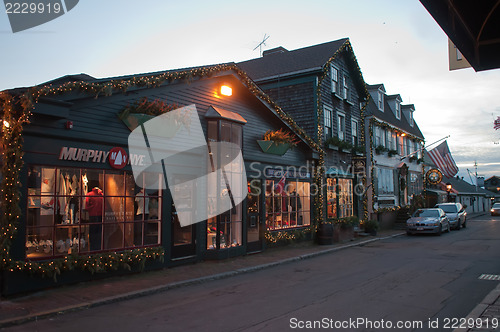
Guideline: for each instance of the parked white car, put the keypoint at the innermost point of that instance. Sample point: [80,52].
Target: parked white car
[455,213]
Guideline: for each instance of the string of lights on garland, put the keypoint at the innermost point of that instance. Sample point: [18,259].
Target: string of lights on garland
[346,48]
[396,130]
[97,263]
[286,236]
[17,112]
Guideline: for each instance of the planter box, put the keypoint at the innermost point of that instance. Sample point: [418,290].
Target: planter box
[343,234]
[359,154]
[333,147]
[272,147]
[345,150]
[134,120]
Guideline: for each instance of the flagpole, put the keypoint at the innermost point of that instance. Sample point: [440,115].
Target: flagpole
[439,140]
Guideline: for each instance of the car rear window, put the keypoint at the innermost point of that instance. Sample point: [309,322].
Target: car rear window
[496,205]
[448,208]
[426,213]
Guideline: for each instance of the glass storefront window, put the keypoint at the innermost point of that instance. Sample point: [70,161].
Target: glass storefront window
[288,204]
[339,198]
[79,210]
[225,230]
[331,198]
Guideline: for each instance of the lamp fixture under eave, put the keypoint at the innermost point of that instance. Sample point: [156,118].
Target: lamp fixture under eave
[226,90]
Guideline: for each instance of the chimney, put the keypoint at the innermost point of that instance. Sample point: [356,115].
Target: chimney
[279,49]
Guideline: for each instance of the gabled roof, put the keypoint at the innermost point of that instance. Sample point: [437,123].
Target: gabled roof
[463,187]
[305,59]
[111,85]
[396,96]
[388,117]
[375,87]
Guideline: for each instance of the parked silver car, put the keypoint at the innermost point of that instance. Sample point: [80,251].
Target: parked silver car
[456,214]
[428,221]
[495,209]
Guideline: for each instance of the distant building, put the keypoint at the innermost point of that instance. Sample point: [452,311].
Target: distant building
[493,184]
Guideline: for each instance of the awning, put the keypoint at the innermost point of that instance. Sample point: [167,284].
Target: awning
[219,113]
[472,26]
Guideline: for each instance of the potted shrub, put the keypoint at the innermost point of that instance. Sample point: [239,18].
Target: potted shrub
[420,160]
[412,158]
[392,153]
[333,143]
[337,144]
[277,142]
[143,110]
[358,150]
[370,226]
[380,149]
[344,228]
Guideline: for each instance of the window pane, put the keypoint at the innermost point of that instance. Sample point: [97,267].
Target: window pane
[39,242]
[225,135]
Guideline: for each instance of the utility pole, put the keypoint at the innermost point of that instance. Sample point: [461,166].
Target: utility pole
[475,166]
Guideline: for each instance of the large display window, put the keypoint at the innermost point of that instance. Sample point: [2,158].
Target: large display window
[84,210]
[287,204]
[225,230]
[339,193]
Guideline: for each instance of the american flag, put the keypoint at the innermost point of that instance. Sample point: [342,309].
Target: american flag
[280,186]
[441,156]
[496,123]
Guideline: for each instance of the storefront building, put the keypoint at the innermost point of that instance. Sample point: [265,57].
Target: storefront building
[74,209]
[322,88]
[394,156]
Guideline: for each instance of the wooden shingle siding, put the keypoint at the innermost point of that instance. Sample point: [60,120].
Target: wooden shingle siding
[298,100]
[96,121]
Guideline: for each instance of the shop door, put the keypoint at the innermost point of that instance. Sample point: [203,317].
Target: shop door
[254,222]
[183,238]
[183,242]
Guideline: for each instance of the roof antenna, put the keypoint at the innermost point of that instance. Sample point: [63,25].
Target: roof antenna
[263,42]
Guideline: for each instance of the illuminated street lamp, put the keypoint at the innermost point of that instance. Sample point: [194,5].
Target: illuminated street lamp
[448,189]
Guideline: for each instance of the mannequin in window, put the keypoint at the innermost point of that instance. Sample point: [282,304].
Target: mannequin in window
[141,213]
[94,204]
[142,201]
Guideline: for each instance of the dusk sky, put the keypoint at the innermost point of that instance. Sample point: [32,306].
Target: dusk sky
[396,42]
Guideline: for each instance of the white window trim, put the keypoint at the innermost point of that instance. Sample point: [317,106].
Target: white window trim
[398,110]
[327,109]
[354,133]
[343,136]
[380,100]
[335,79]
[345,90]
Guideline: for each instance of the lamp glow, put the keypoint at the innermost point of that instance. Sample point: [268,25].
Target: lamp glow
[226,90]
[403,134]
[6,124]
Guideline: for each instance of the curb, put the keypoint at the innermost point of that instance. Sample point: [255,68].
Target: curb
[481,307]
[178,284]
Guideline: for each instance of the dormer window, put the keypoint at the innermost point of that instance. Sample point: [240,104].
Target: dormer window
[335,79]
[398,110]
[380,101]
[411,118]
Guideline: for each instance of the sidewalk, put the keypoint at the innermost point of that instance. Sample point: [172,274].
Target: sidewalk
[47,303]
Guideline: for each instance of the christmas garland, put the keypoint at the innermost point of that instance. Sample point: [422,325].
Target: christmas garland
[286,236]
[97,263]
[320,199]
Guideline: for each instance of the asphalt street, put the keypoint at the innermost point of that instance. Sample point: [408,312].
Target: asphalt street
[408,280]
